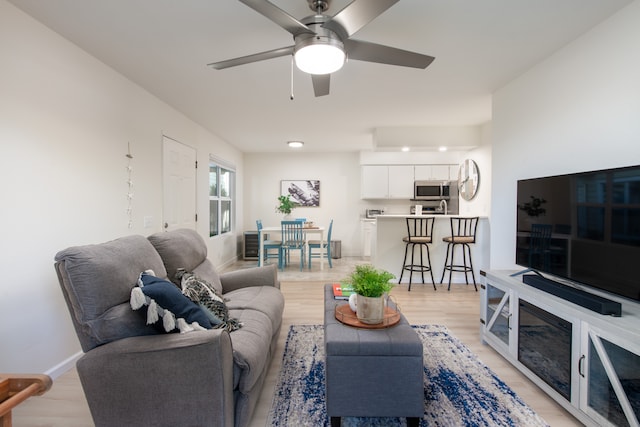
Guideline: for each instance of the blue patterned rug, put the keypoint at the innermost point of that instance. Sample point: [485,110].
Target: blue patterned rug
[459,389]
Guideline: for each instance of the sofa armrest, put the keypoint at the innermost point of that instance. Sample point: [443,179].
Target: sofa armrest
[255,276]
[161,380]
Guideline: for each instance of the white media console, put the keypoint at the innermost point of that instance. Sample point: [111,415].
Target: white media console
[588,362]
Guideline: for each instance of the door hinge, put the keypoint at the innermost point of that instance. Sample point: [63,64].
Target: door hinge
[196,164]
[482,321]
[196,217]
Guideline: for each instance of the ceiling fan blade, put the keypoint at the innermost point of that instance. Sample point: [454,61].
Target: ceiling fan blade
[279,16]
[356,15]
[372,52]
[269,54]
[321,84]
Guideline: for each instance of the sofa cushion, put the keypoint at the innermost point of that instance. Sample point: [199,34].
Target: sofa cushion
[207,271]
[266,299]
[185,248]
[251,347]
[167,302]
[96,279]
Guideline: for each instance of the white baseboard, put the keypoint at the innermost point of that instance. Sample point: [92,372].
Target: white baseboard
[64,366]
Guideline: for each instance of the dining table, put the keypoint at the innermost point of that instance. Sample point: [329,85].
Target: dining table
[308,231]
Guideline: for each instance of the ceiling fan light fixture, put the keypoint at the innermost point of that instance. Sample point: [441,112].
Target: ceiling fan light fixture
[320,55]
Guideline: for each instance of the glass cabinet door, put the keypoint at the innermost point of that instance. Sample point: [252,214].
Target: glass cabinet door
[498,313]
[612,381]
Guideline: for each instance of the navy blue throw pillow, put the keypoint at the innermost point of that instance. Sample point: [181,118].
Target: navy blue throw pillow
[162,296]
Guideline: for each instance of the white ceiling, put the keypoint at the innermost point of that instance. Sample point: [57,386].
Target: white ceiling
[164,46]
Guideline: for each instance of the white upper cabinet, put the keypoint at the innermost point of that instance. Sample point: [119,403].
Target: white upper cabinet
[396,181]
[401,182]
[435,172]
[387,182]
[374,183]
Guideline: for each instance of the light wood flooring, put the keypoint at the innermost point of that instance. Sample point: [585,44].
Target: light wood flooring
[459,309]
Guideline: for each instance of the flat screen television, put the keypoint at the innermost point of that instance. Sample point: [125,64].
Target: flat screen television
[584,227]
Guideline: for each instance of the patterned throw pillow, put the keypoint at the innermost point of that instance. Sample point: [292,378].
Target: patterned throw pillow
[164,300]
[203,293]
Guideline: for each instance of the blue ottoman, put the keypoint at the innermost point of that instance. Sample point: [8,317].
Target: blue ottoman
[371,372]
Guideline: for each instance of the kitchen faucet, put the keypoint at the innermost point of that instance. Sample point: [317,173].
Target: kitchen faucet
[443,202]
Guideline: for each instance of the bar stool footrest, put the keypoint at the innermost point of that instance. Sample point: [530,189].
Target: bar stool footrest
[417,268]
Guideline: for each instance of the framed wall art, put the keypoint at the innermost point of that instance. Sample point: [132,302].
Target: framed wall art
[303,192]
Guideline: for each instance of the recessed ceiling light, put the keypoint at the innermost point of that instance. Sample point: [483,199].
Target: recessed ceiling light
[442,148]
[405,148]
[295,144]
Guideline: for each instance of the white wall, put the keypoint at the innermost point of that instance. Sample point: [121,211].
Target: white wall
[578,110]
[65,120]
[339,175]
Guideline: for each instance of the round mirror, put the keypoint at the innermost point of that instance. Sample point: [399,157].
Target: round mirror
[468,179]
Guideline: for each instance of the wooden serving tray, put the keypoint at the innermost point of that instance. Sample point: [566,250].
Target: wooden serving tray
[345,315]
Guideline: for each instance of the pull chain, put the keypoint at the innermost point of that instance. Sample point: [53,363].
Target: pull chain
[291,95]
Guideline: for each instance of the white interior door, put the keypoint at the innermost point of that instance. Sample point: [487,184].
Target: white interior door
[179,185]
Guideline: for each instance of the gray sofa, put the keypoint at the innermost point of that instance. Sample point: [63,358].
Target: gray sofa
[134,375]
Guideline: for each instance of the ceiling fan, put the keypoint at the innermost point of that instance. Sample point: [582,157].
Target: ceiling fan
[322,43]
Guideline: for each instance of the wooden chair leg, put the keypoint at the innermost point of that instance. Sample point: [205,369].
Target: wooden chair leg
[16,388]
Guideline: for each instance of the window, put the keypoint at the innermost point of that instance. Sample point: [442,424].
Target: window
[221,196]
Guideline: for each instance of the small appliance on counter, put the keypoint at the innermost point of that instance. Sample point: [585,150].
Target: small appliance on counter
[372,213]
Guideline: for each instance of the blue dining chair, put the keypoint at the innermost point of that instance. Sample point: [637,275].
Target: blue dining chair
[323,247]
[292,240]
[269,247]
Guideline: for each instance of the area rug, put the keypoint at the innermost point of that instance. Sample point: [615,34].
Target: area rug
[459,389]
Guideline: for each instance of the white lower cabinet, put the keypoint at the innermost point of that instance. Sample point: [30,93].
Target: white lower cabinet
[589,363]
[609,369]
[497,317]
[368,228]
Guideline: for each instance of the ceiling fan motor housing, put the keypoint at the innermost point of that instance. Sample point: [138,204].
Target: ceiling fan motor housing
[319,5]
[321,36]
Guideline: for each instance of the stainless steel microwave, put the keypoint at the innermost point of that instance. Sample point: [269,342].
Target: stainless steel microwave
[432,190]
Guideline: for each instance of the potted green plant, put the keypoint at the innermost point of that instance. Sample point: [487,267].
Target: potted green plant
[285,205]
[370,285]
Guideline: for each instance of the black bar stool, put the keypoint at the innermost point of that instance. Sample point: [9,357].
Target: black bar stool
[463,233]
[420,233]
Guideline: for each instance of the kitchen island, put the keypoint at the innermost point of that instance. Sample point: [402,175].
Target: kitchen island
[387,250]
